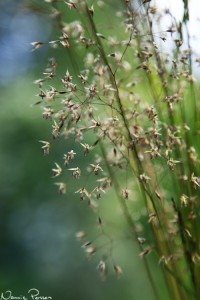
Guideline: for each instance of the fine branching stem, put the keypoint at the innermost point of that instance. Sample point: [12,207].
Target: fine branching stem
[127,106]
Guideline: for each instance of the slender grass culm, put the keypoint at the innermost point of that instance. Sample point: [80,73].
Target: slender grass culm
[121,90]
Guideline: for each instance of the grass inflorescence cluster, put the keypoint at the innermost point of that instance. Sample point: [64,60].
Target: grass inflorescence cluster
[129,102]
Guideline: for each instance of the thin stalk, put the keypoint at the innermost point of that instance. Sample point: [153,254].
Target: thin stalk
[130,222]
[184,244]
[139,166]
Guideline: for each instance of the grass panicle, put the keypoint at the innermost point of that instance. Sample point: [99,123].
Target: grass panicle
[127,102]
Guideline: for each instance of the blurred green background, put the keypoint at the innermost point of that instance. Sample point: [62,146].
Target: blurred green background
[37,237]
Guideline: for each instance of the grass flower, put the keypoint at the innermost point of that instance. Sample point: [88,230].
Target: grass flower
[134,103]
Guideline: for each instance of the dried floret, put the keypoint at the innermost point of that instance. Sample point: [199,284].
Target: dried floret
[46,147]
